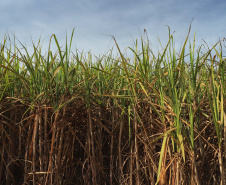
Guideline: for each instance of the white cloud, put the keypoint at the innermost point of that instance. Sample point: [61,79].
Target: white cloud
[96,20]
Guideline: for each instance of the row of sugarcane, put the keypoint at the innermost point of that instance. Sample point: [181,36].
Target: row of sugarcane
[67,119]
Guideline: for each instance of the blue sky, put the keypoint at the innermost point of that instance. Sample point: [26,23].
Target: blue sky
[96,20]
